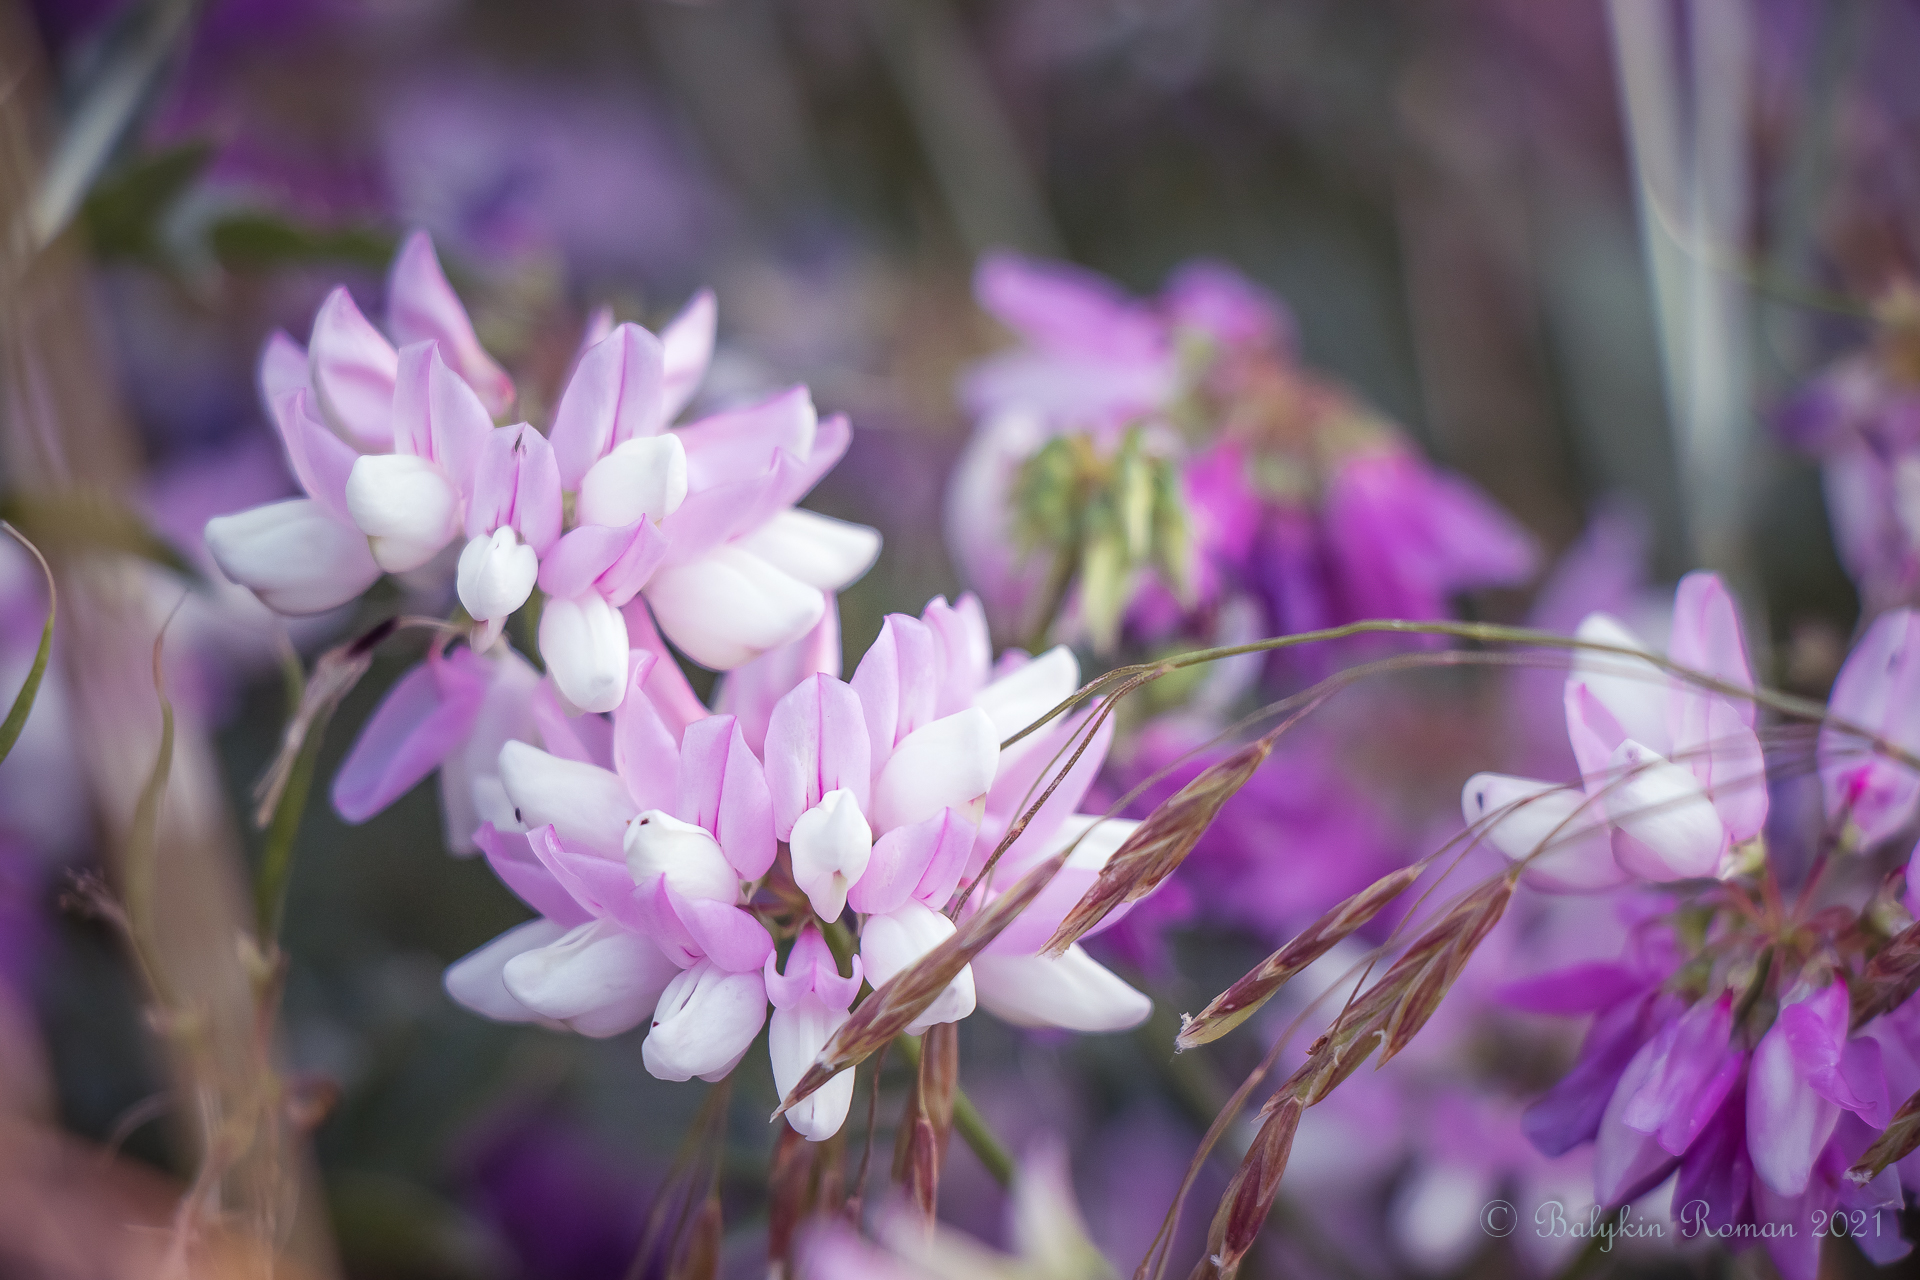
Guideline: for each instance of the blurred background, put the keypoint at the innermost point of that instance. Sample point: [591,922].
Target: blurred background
[1453,197]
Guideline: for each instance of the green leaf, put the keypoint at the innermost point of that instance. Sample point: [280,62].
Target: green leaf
[258,241]
[23,701]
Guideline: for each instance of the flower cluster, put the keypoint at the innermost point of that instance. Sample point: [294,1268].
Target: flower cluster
[1176,453]
[671,857]
[1744,1044]
[395,443]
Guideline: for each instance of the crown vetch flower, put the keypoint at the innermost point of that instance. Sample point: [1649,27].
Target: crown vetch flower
[1673,776]
[885,791]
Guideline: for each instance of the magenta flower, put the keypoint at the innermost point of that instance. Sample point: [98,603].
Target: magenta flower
[1290,492]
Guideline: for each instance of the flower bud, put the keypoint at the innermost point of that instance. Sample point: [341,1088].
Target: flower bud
[704,1024]
[496,575]
[831,844]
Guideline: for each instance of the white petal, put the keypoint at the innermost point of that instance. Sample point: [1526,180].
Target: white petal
[1633,690]
[891,942]
[730,606]
[817,550]
[496,575]
[947,764]
[294,555]
[475,981]
[831,845]
[405,506]
[641,479]
[1029,691]
[584,641]
[1579,857]
[584,803]
[794,1037]
[600,979]
[1074,992]
[704,1024]
[690,858]
[1672,830]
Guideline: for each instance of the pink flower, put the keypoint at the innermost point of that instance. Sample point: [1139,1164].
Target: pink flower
[1878,690]
[1673,775]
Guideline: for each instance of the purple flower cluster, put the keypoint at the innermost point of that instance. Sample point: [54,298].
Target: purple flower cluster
[1294,493]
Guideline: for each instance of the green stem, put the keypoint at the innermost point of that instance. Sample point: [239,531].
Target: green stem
[968,1122]
[276,858]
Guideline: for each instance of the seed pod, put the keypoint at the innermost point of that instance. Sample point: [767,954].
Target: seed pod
[1889,978]
[1249,1198]
[1237,1003]
[1464,929]
[1900,1139]
[891,1009]
[1160,844]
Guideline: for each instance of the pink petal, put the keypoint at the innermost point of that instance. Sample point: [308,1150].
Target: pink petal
[687,347]
[646,753]
[511,855]
[966,651]
[633,568]
[750,691]
[321,460]
[725,934]
[283,369]
[1060,307]
[422,306]
[437,416]
[816,743]
[352,369]
[666,683]
[1878,690]
[576,562]
[427,713]
[1707,635]
[516,483]
[723,789]
[742,443]
[600,884]
[1064,801]
[614,395]
[904,858]
[898,684]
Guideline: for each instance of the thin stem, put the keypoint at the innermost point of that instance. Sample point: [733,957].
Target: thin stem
[968,1122]
[276,858]
[1484,633]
